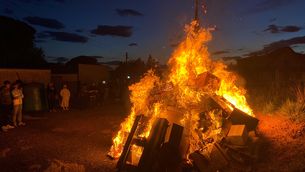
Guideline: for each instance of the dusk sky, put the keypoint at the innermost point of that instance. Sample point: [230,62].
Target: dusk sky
[109,28]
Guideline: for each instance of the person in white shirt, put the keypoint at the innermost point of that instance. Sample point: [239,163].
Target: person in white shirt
[65,97]
[17,105]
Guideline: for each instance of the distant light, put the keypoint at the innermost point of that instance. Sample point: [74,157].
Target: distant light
[128,76]
[104,82]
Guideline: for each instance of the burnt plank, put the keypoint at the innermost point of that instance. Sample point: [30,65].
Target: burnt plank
[176,135]
[155,140]
[124,156]
[239,117]
[200,162]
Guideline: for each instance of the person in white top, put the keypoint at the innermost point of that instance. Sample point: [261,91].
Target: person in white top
[17,108]
[65,97]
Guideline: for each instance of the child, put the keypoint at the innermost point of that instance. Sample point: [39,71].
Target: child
[17,105]
[65,97]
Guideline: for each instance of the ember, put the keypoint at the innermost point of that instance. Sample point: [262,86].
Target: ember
[199,95]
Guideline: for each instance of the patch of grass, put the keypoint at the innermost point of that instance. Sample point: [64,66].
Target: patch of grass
[295,110]
[268,108]
[262,103]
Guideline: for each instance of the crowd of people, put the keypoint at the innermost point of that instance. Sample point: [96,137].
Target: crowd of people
[11,100]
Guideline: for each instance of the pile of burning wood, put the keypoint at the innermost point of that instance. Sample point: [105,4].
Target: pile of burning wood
[193,117]
[234,143]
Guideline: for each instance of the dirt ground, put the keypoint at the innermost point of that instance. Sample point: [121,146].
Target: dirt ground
[283,144]
[78,140]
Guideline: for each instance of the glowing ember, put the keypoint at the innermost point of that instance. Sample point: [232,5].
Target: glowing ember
[178,97]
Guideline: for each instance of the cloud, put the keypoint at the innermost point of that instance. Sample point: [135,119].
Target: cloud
[103,30]
[272,19]
[8,11]
[220,52]
[291,29]
[279,29]
[29,1]
[133,44]
[115,62]
[97,57]
[267,5]
[272,29]
[61,1]
[231,58]
[59,59]
[33,1]
[44,22]
[63,36]
[280,44]
[128,12]
[40,41]
[79,30]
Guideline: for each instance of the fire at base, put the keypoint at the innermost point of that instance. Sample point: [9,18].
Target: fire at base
[181,95]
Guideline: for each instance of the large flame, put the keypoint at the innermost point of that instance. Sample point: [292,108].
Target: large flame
[178,96]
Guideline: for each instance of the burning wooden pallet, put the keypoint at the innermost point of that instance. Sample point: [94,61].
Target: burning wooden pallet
[161,151]
[168,146]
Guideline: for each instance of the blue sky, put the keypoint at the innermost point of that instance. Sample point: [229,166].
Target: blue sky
[65,28]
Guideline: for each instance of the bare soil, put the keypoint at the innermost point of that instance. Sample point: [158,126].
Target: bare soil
[79,140]
[283,144]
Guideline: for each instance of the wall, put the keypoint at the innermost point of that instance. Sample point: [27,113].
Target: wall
[26,75]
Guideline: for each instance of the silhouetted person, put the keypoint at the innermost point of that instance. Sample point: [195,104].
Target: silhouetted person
[52,96]
[6,106]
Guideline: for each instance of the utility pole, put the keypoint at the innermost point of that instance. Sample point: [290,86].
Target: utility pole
[126,57]
[196,11]
[196,14]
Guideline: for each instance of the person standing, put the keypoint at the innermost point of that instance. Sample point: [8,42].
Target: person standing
[17,105]
[6,106]
[52,94]
[65,97]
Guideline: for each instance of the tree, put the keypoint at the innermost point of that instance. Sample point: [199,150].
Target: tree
[17,45]
[151,63]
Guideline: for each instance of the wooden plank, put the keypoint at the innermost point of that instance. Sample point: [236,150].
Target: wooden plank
[121,162]
[239,117]
[200,162]
[155,140]
[176,135]
[218,158]
[237,135]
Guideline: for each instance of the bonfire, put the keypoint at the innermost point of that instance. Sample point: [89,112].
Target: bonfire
[181,95]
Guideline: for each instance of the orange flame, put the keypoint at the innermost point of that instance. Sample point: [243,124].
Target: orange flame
[139,97]
[180,91]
